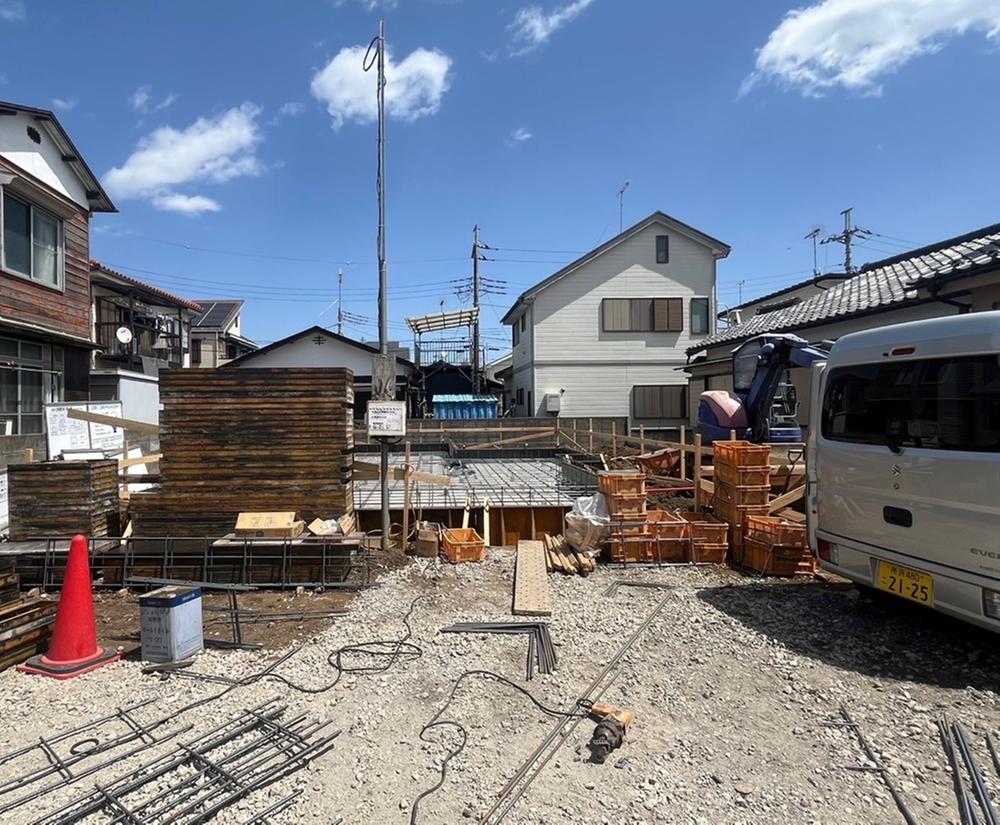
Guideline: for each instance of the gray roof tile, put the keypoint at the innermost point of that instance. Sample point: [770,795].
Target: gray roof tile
[879,284]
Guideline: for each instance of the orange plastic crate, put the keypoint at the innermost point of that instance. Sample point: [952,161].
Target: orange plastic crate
[775,530]
[742,495]
[709,551]
[743,476]
[741,454]
[626,505]
[630,549]
[669,551]
[778,560]
[706,527]
[461,544]
[616,482]
[666,525]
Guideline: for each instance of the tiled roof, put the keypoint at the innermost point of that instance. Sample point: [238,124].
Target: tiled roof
[155,290]
[879,285]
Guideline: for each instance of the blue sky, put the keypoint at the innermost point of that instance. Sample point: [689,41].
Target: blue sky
[245,128]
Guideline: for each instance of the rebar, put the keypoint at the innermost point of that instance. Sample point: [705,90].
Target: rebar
[879,767]
[965,812]
[541,651]
[254,750]
[564,728]
[613,587]
[978,785]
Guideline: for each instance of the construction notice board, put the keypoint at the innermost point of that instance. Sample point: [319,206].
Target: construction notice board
[65,433]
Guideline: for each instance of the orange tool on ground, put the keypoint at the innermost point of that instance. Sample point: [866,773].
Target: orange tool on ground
[610,731]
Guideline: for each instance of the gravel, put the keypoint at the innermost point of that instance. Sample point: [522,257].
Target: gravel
[734,687]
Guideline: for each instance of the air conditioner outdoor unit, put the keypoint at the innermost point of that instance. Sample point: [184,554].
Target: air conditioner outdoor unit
[552,402]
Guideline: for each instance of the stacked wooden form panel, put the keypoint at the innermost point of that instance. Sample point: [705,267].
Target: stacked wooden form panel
[742,486]
[235,440]
[62,498]
[25,623]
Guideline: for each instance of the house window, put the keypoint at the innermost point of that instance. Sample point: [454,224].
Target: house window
[516,332]
[699,316]
[659,402]
[531,409]
[663,249]
[196,350]
[642,314]
[25,387]
[524,321]
[520,396]
[32,242]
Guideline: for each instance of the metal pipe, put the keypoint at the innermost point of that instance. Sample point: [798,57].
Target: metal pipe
[978,785]
[965,812]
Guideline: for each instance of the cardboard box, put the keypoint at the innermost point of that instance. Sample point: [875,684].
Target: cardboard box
[276,525]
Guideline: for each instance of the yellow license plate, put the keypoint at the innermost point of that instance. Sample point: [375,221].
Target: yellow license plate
[910,584]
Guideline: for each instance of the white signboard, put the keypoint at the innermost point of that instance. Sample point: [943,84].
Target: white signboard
[65,433]
[386,418]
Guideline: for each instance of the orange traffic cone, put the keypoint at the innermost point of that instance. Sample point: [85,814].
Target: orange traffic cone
[74,649]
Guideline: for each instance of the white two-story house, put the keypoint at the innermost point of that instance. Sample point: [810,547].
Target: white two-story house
[607,334]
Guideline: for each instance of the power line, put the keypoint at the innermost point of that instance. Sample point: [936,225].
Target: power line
[847,238]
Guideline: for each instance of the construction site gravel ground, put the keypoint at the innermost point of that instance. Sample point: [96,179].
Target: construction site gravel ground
[733,686]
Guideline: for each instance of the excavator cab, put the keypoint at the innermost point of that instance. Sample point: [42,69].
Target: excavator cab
[764,405]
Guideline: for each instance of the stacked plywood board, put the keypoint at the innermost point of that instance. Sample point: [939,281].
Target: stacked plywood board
[235,440]
[25,622]
[62,498]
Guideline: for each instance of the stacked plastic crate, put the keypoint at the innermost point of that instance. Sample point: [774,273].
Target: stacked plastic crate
[709,538]
[625,491]
[742,486]
[775,547]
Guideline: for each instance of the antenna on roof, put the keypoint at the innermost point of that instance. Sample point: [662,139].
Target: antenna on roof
[621,204]
[816,232]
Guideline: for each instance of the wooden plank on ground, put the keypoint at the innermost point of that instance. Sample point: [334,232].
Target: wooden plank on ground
[531,582]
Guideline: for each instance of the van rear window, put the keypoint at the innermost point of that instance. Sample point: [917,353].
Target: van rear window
[936,403]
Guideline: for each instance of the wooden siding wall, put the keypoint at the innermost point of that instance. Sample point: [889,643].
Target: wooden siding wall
[66,310]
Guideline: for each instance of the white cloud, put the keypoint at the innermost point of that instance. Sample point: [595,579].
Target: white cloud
[13,11]
[519,135]
[142,100]
[291,109]
[185,204]
[852,43]
[64,104]
[210,150]
[371,5]
[532,27]
[414,86]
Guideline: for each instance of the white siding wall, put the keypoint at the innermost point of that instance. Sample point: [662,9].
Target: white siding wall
[41,160]
[569,350]
[523,373]
[567,314]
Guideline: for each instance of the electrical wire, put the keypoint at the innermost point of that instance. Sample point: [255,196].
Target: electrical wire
[581,711]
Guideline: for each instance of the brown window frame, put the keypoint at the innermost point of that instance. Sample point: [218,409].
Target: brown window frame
[663,403]
[642,315]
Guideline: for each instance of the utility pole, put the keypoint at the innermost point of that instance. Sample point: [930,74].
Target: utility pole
[475,304]
[740,284]
[621,205]
[814,235]
[847,238]
[340,302]
[383,367]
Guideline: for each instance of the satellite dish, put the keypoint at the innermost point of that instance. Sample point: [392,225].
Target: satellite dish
[124,335]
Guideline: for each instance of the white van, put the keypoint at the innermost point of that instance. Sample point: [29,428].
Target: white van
[904,463]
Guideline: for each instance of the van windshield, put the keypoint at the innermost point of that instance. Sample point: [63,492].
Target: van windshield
[936,403]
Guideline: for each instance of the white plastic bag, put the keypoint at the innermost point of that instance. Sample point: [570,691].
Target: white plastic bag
[588,524]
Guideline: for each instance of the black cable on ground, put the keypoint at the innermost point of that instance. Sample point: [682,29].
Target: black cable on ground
[437,722]
[389,650]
